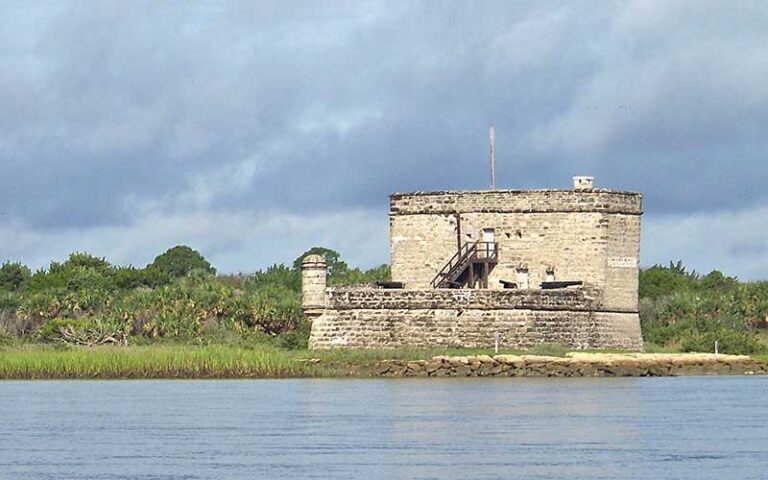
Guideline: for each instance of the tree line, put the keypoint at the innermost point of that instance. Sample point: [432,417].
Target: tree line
[87,300]
[179,297]
[683,310]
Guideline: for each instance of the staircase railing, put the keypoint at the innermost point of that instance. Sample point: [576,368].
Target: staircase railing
[461,255]
[484,251]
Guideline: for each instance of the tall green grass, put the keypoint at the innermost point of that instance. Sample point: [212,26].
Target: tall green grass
[41,361]
[44,361]
[36,362]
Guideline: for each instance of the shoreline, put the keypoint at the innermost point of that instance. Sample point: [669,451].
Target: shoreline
[221,362]
[578,365]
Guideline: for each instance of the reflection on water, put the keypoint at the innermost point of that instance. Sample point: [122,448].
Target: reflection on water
[687,428]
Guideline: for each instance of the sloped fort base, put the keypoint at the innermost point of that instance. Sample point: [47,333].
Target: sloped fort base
[378,318]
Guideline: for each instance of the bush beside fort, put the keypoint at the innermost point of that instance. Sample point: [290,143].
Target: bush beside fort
[88,301]
[95,302]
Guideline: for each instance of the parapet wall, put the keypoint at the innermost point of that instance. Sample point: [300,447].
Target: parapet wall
[377,318]
[516,201]
[575,299]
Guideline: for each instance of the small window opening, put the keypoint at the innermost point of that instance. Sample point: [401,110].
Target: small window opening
[522,278]
[550,274]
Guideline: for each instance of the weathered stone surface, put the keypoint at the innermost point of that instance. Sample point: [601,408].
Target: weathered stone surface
[462,370]
[355,298]
[474,327]
[433,366]
[417,365]
[577,365]
[313,284]
[486,359]
[590,235]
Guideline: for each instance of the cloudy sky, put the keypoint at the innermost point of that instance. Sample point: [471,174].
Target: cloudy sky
[255,130]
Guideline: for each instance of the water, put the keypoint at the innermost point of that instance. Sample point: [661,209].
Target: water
[636,428]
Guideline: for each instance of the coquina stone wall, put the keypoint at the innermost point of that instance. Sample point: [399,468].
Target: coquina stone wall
[471,318]
[587,235]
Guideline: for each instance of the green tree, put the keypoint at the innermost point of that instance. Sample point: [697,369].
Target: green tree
[127,278]
[716,281]
[180,260]
[332,259]
[355,275]
[659,281]
[339,272]
[154,277]
[277,274]
[13,275]
[81,271]
[86,261]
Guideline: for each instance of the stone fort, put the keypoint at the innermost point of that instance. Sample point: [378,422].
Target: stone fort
[525,267]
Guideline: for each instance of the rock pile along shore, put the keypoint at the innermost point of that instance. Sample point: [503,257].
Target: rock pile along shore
[575,365]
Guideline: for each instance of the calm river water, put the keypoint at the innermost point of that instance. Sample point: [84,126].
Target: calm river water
[640,428]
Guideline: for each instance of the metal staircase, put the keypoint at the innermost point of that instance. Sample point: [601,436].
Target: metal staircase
[471,263]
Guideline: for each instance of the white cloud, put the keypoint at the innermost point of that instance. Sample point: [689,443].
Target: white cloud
[213,125]
[666,77]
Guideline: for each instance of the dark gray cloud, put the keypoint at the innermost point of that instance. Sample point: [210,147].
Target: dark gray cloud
[115,111]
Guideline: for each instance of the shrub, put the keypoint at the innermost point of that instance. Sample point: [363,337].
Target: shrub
[730,341]
[180,260]
[9,300]
[81,271]
[357,276]
[154,277]
[659,281]
[88,279]
[128,278]
[6,338]
[715,281]
[83,331]
[12,324]
[295,339]
[681,310]
[85,261]
[277,274]
[13,276]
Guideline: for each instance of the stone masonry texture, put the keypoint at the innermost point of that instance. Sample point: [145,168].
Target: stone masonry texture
[587,235]
[377,318]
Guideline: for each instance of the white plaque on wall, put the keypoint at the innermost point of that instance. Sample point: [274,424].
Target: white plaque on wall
[622,262]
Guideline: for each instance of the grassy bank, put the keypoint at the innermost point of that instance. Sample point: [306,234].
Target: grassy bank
[32,362]
[219,361]
[40,361]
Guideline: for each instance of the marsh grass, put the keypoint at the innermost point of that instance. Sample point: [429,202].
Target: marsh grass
[36,362]
[41,361]
[47,361]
